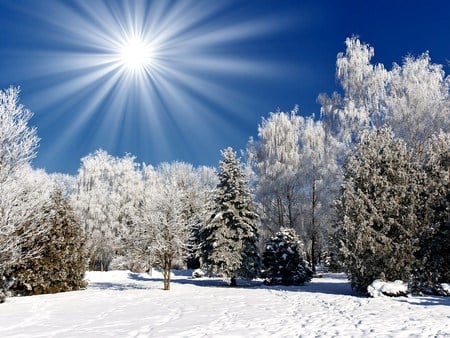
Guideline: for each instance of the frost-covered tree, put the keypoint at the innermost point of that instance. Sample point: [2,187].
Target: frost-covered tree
[379,210]
[61,263]
[364,86]
[283,262]
[230,234]
[434,255]
[296,175]
[162,229]
[320,178]
[418,100]
[21,198]
[18,141]
[276,159]
[23,195]
[106,199]
[412,98]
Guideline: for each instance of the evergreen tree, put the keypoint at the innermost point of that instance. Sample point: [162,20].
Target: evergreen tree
[62,262]
[282,260]
[230,236]
[434,256]
[379,209]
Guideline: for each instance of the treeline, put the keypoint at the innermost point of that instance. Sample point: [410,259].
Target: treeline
[364,187]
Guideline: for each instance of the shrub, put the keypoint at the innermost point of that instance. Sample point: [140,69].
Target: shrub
[282,260]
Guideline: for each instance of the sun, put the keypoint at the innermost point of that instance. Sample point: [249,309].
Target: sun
[135,55]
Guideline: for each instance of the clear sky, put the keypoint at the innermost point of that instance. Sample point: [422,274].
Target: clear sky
[180,80]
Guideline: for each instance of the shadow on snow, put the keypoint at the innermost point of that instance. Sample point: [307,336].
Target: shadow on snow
[331,284]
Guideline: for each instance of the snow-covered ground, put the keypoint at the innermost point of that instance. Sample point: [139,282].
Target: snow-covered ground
[124,304]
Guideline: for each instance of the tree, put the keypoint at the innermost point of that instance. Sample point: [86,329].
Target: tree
[230,246]
[61,263]
[418,101]
[18,141]
[283,260]
[412,98]
[379,210]
[23,195]
[19,207]
[276,159]
[320,176]
[161,230]
[434,254]
[107,194]
[296,175]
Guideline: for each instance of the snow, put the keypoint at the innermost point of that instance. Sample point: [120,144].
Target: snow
[446,288]
[125,304]
[380,288]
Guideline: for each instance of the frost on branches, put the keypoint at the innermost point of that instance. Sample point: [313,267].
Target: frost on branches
[61,263]
[20,190]
[170,208]
[379,210]
[276,159]
[283,262]
[412,98]
[230,236]
[434,254]
[296,177]
[107,194]
[18,141]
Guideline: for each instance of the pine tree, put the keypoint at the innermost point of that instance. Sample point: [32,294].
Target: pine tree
[230,236]
[379,210]
[62,262]
[282,260]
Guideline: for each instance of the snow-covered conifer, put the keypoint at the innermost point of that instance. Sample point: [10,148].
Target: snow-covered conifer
[379,209]
[434,267]
[61,263]
[283,262]
[23,195]
[230,235]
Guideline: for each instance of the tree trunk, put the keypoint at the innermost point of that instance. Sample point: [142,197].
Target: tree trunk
[166,273]
[233,281]
[313,224]
[280,212]
[313,254]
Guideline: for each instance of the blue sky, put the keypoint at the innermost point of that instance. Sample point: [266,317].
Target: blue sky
[216,67]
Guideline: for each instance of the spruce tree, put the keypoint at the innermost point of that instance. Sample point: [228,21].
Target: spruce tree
[379,209]
[62,262]
[230,237]
[283,263]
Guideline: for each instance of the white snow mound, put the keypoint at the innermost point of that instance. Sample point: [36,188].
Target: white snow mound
[380,288]
[446,289]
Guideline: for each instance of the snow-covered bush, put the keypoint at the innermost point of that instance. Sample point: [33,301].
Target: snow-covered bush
[283,262]
[445,287]
[61,263]
[198,273]
[380,288]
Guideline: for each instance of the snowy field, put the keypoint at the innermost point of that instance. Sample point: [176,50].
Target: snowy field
[124,304]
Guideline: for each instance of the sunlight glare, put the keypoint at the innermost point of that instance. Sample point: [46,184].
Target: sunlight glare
[135,55]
